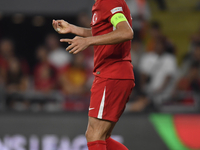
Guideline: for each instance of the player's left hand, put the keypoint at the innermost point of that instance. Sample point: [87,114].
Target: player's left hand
[77,44]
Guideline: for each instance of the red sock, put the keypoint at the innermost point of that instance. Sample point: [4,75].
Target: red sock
[114,145]
[97,145]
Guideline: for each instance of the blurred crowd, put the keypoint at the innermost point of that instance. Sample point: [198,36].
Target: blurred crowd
[159,80]
[57,76]
[62,81]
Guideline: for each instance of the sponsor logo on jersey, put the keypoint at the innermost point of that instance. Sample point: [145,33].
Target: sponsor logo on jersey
[116,9]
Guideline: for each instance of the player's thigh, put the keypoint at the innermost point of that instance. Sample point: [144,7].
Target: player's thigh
[109,97]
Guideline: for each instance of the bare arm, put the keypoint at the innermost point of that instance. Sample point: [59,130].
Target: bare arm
[63,27]
[80,31]
[122,33]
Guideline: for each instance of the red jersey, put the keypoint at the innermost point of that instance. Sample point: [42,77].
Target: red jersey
[111,61]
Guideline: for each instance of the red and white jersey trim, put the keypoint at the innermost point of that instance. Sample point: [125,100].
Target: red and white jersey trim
[100,114]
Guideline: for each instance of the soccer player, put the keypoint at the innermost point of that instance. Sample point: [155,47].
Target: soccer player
[111,35]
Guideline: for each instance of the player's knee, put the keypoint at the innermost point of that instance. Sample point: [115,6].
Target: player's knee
[87,134]
[93,134]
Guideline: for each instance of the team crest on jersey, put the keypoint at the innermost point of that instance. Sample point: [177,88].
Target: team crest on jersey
[116,9]
[94,19]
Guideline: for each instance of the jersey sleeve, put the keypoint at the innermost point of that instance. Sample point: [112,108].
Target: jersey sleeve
[113,11]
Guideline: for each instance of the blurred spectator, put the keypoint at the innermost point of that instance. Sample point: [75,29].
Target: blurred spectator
[73,77]
[73,80]
[195,57]
[7,48]
[155,71]
[158,70]
[137,50]
[13,74]
[58,56]
[140,13]
[6,53]
[187,84]
[16,81]
[195,39]
[157,35]
[44,73]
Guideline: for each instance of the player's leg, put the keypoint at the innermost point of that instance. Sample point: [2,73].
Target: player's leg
[98,129]
[96,133]
[110,131]
[114,145]
[111,144]
[108,100]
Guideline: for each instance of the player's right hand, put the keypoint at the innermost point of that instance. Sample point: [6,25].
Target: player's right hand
[61,26]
